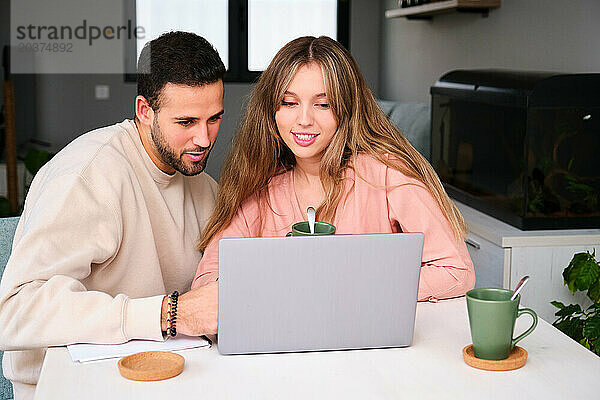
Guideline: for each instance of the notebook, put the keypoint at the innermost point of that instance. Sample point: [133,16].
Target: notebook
[313,293]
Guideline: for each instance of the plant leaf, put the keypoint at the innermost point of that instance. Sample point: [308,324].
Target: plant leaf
[596,346]
[576,329]
[557,304]
[594,292]
[35,159]
[568,310]
[581,273]
[572,327]
[4,207]
[595,306]
[562,326]
[591,327]
[585,343]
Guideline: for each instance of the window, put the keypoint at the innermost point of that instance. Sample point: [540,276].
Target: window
[246,33]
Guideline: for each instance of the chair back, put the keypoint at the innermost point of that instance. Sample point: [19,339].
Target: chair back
[7,233]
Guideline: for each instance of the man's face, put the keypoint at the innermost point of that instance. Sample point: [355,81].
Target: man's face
[185,127]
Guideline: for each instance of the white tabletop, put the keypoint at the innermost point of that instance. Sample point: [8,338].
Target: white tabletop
[432,368]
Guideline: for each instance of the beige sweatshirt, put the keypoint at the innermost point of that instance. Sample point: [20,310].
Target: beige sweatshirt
[103,236]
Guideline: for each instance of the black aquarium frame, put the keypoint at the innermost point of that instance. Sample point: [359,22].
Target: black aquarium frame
[528,90]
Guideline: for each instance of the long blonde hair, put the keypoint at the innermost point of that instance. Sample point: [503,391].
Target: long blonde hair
[259,153]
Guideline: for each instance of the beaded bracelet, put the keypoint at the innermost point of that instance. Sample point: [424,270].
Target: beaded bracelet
[172,313]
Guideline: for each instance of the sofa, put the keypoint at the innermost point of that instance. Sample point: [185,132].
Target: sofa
[413,120]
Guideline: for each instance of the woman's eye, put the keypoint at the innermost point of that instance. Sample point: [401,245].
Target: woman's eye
[288,103]
[323,105]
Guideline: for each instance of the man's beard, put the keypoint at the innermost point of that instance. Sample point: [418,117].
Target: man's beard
[171,158]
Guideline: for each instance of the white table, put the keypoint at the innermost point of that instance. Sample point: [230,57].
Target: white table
[432,368]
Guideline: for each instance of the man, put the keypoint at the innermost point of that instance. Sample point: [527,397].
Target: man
[110,223]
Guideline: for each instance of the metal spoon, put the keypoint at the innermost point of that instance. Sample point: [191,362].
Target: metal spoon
[310,212]
[520,285]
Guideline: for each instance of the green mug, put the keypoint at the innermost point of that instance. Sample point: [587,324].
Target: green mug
[302,229]
[492,319]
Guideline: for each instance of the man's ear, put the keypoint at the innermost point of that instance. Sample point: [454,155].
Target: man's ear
[143,111]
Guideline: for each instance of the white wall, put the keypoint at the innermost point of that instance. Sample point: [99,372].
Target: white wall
[550,35]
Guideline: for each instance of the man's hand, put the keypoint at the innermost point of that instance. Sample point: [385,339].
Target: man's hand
[197,311]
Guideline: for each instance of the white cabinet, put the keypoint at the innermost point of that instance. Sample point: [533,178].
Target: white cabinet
[503,254]
[488,259]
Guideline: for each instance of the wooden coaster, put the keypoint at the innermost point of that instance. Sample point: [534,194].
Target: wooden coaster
[516,359]
[151,366]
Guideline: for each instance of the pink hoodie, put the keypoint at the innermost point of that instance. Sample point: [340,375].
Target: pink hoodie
[377,199]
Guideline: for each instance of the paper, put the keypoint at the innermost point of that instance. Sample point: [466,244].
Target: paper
[94,352]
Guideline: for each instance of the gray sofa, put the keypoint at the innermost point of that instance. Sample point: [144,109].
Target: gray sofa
[7,232]
[413,120]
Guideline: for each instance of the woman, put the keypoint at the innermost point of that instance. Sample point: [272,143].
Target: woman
[313,135]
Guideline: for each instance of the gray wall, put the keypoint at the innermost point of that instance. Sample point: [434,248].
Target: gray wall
[66,106]
[550,35]
[23,87]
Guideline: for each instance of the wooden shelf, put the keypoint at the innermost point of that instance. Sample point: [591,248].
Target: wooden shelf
[439,7]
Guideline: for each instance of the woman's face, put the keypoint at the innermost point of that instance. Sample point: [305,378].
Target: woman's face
[304,118]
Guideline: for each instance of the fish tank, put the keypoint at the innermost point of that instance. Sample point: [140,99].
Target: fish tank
[523,147]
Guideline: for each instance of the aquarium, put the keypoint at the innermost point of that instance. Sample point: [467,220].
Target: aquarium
[523,147]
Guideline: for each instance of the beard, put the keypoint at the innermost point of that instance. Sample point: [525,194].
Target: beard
[170,157]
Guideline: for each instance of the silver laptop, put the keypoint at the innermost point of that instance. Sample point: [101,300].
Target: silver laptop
[318,292]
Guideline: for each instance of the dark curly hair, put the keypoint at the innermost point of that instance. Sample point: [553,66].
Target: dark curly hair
[182,58]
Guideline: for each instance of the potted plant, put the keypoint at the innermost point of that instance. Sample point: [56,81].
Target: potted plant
[582,273]
[34,160]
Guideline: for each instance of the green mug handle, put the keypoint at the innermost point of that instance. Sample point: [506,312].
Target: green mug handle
[531,328]
[288,234]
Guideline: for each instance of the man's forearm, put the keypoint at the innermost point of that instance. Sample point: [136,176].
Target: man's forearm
[35,317]
[163,314]
[197,311]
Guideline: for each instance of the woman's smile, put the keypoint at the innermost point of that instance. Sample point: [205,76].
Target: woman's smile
[305,138]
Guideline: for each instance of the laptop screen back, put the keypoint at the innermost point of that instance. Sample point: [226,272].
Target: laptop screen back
[317,293]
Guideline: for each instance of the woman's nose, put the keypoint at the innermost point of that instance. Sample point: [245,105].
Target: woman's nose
[306,116]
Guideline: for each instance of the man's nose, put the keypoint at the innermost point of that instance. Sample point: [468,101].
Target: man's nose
[200,137]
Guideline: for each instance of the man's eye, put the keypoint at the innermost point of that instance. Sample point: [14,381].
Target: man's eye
[215,118]
[185,122]
[288,103]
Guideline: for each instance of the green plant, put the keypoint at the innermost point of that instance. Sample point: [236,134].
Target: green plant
[35,159]
[4,207]
[582,273]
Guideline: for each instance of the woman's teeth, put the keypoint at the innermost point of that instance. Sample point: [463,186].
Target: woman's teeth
[304,137]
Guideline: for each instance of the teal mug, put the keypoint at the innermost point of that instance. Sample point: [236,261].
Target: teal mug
[492,319]
[302,229]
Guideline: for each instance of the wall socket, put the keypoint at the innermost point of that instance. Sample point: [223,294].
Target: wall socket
[102,92]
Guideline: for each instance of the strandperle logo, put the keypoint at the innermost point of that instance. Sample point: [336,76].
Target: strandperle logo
[81,32]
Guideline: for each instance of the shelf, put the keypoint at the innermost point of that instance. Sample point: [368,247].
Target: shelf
[439,7]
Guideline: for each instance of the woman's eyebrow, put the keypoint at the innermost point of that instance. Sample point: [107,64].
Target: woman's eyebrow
[288,93]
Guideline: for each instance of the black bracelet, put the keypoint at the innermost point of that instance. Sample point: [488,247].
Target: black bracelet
[172,313]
